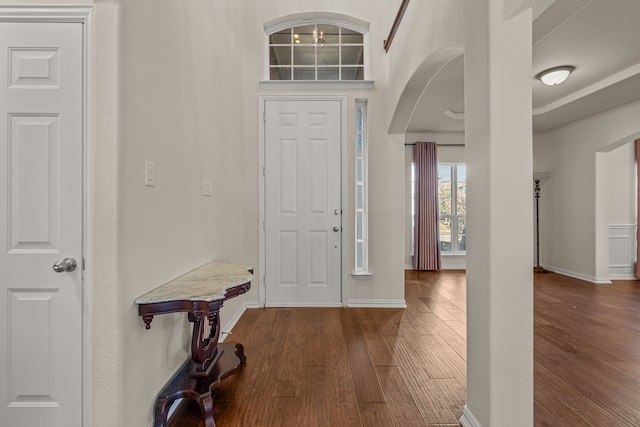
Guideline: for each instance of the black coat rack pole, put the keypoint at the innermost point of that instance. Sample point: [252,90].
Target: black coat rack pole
[537,268]
[537,190]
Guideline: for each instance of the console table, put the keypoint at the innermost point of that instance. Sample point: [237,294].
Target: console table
[199,293]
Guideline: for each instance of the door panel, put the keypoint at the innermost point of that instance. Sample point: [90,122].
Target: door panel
[33,198]
[302,203]
[40,223]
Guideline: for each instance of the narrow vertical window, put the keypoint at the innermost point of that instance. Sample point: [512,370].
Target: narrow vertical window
[413,207]
[361,246]
[452,191]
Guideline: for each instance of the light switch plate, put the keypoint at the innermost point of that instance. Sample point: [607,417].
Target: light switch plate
[149,173]
[207,187]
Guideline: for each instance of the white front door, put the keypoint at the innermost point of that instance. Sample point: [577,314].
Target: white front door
[41,152]
[303,203]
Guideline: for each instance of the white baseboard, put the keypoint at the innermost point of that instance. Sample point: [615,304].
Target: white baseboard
[586,278]
[228,326]
[468,419]
[376,303]
[299,305]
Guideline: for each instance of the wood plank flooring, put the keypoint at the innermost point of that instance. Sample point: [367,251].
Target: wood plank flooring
[392,367]
[586,352]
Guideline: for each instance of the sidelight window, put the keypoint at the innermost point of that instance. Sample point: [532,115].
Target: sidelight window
[361,252]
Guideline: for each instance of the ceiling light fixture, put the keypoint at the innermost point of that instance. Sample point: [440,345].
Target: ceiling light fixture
[318,41]
[555,76]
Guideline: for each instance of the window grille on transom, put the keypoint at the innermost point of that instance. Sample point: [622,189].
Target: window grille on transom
[316,51]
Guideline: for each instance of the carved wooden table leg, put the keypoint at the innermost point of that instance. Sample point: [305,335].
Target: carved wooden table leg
[184,385]
[204,351]
[161,412]
[240,352]
[207,408]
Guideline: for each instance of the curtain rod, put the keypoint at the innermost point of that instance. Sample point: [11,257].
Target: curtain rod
[439,145]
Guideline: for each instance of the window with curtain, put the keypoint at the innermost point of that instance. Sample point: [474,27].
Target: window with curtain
[452,193]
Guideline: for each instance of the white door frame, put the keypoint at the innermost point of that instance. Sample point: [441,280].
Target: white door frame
[83,15]
[262,99]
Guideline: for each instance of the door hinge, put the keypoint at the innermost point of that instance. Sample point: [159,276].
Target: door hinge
[264,171]
[264,115]
[83,264]
[264,225]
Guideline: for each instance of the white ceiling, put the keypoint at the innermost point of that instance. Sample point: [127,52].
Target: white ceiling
[601,38]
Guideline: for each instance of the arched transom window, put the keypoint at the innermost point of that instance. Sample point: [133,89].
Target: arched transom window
[317,51]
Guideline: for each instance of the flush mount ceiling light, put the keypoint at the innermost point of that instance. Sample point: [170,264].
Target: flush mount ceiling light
[555,76]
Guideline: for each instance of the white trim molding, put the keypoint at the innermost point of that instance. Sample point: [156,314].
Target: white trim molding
[303,305]
[317,84]
[322,17]
[468,419]
[80,14]
[585,277]
[376,303]
[362,275]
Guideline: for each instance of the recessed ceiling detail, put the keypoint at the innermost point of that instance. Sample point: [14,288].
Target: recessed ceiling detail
[599,40]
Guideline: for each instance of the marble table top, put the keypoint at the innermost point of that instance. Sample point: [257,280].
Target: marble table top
[206,283]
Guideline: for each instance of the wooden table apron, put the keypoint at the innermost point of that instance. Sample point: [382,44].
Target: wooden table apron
[210,361]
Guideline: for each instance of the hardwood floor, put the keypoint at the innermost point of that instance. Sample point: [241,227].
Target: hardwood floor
[392,367]
[586,352]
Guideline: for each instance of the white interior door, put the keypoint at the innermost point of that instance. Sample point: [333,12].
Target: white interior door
[302,203]
[41,148]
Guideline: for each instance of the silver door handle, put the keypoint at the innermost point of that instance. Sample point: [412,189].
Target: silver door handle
[336,228]
[67,264]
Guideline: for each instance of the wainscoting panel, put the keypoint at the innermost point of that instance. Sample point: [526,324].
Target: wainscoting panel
[622,248]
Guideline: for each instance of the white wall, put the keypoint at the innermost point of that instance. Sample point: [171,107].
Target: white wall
[573,204]
[182,108]
[451,150]
[431,35]
[105,323]
[617,175]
